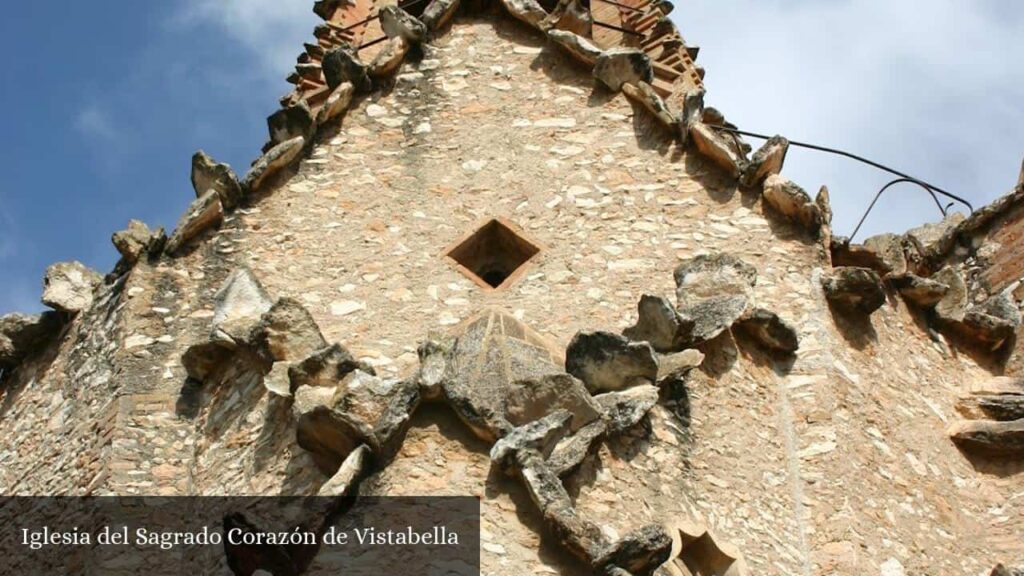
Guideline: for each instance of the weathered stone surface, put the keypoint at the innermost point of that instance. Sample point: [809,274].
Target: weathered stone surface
[387,61]
[660,325]
[433,356]
[204,213]
[351,471]
[570,453]
[607,362]
[325,368]
[438,13]
[208,174]
[767,161]
[23,335]
[623,410]
[579,47]
[889,248]
[713,291]
[337,103]
[277,382]
[769,331]
[328,434]
[273,161]
[343,65]
[239,306]
[953,304]
[528,11]
[291,122]
[921,292]
[854,289]
[287,332]
[69,286]
[998,407]
[133,241]
[535,398]
[539,436]
[491,353]
[937,238]
[692,111]
[619,66]
[571,15]
[678,362]
[792,202]
[988,330]
[202,360]
[712,146]
[1001,570]
[397,23]
[988,437]
[645,94]
[640,552]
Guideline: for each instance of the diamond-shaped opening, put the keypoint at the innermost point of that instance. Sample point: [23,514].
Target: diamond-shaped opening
[494,255]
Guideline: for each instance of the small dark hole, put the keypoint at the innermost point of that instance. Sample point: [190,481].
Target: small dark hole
[494,253]
[494,278]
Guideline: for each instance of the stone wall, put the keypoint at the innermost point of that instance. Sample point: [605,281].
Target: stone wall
[835,461]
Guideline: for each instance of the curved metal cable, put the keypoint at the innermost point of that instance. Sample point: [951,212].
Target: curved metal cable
[932,189]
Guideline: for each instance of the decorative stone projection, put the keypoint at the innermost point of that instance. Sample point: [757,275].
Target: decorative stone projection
[342,65]
[438,13]
[853,289]
[133,241]
[714,290]
[620,66]
[792,202]
[291,122]
[608,362]
[273,161]
[660,325]
[577,46]
[527,11]
[769,331]
[397,23]
[337,103]
[208,174]
[69,286]
[767,161]
[204,213]
[24,335]
[493,351]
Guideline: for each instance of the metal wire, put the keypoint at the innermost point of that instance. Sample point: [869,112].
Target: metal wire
[943,209]
[932,189]
[623,6]
[618,28]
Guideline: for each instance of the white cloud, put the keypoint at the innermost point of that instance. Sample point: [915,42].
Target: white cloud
[92,122]
[929,87]
[273,30]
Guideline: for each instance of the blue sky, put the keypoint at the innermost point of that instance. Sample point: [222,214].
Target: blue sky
[105,102]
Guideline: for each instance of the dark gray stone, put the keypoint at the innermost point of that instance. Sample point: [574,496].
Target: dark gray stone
[618,66]
[291,122]
[660,325]
[133,241]
[768,160]
[25,335]
[921,292]
[342,65]
[623,410]
[607,362]
[640,552]
[854,289]
[535,398]
[208,174]
[490,354]
[397,23]
[570,453]
[540,436]
[988,437]
[713,291]
[325,368]
[769,331]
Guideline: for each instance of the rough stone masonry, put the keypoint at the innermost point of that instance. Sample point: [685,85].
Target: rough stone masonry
[685,373]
